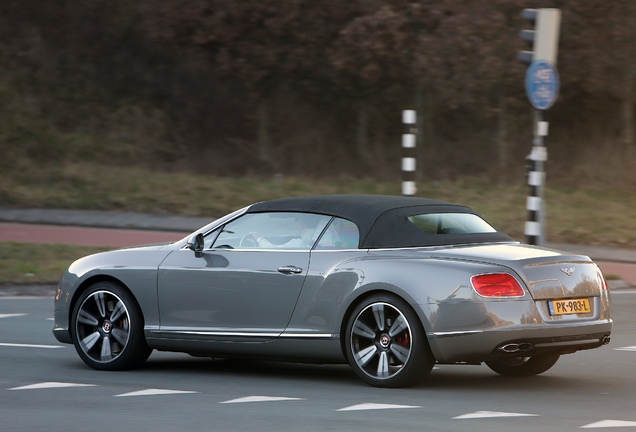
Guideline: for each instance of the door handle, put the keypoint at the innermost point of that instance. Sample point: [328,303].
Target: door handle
[290,270]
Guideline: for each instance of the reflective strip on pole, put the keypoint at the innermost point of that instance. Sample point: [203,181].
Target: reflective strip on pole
[408,141]
[535,178]
[409,188]
[539,154]
[534,203]
[408,164]
[533,229]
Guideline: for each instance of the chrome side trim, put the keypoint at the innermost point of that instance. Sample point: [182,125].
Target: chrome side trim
[255,250]
[247,334]
[217,333]
[338,250]
[308,335]
[454,333]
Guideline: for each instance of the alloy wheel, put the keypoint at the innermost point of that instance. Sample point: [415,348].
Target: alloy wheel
[103,326]
[381,341]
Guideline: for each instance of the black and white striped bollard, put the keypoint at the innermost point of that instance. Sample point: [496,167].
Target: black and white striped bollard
[409,119]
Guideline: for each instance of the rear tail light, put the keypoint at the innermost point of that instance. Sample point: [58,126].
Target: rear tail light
[497,285]
[602,278]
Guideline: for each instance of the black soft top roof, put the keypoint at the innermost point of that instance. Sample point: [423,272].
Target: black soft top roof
[382,219]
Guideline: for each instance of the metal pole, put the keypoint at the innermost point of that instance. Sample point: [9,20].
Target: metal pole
[409,119]
[535,225]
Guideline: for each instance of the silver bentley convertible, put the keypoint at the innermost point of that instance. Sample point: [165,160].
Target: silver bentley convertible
[391,285]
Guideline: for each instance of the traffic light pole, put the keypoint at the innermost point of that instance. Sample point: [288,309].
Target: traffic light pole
[542,88]
[535,225]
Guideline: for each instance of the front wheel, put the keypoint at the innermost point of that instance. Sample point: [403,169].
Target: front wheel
[385,343]
[523,366]
[107,328]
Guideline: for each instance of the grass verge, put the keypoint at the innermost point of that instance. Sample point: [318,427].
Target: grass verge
[592,215]
[38,264]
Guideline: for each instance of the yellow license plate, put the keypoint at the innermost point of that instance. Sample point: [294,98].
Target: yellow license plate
[570,306]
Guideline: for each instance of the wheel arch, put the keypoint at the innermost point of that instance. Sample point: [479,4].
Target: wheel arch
[377,289]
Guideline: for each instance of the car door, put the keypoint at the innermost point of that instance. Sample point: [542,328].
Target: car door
[244,285]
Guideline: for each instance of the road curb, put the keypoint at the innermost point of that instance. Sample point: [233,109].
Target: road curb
[28,291]
[104,219]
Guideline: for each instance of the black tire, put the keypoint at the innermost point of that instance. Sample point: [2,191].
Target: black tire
[107,328]
[523,366]
[385,343]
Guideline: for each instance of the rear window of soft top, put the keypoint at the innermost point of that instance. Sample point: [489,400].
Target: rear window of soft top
[451,223]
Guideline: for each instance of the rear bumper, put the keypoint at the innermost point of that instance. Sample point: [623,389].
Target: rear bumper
[559,345]
[480,346]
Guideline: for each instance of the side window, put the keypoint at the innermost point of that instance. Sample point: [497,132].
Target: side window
[341,234]
[290,231]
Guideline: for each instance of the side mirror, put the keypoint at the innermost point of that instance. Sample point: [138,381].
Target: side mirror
[196,244]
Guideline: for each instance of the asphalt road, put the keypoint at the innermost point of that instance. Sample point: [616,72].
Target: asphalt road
[45,386]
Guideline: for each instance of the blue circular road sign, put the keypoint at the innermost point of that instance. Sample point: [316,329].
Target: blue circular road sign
[542,84]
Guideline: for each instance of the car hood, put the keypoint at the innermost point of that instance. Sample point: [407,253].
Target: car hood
[153,246]
[547,273]
[138,256]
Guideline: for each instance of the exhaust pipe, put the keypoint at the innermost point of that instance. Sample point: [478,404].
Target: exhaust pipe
[516,347]
[606,339]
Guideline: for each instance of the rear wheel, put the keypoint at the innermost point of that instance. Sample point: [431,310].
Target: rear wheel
[523,366]
[107,327]
[385,343]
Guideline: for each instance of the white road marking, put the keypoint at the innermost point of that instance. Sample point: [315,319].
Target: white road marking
[260,399]
[629,348]
[30,345]
[46,385]
[375,406]
[12,315]
[608,424]
[152,392]
[492,414]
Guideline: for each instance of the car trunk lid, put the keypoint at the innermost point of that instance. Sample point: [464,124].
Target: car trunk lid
[563,279]
[547,273]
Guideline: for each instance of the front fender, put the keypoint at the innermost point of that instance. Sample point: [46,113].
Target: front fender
[135,269]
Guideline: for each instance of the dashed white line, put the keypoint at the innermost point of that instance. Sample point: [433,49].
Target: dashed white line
[154,392]
[629,348]
[375,406]
[46,385]
[12,315]
[30,345]
[260,399]
[608,424]
[492,414]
